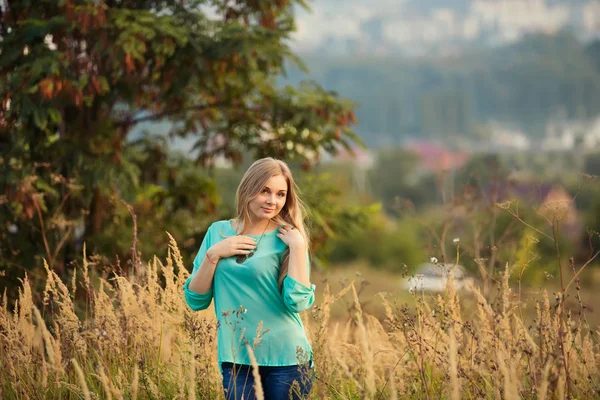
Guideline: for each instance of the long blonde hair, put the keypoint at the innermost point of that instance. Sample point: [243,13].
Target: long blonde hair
[292,213]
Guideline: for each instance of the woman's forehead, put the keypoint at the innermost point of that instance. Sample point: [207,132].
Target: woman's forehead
[276,183]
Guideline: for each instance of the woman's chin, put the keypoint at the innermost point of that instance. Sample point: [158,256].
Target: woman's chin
[265,215]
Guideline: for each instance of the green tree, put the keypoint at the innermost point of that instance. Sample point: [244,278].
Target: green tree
[76,76]
[592,163]
[396,179]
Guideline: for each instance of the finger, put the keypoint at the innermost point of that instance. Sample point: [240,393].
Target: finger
[246,240]
[242,251]
[246,246]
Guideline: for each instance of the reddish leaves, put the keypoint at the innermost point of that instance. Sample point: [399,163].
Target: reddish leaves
[54,86]
[268,20]
[47,88]
[96,84]
[129,64]
[87,18]
[25,194]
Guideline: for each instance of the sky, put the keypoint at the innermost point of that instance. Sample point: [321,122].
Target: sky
[413,27]
[328,18]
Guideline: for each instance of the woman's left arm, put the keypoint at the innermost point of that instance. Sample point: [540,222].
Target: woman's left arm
[298,265]
[298,293]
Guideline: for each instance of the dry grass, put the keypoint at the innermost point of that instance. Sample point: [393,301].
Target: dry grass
[136,338]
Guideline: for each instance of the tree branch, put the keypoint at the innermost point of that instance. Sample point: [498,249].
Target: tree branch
[43,229]
[581,269]
[129,121]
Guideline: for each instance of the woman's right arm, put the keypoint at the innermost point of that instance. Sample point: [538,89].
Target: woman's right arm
[198,292]
[202,280]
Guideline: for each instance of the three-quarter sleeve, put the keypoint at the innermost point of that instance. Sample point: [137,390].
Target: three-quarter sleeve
[199,301]
[296,296]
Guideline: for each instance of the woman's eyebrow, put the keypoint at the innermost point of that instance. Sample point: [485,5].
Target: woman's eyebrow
[280,190]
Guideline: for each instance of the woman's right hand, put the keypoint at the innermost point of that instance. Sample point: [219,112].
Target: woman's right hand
[232,246]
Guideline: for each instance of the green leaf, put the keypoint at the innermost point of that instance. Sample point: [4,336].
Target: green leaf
[54,115]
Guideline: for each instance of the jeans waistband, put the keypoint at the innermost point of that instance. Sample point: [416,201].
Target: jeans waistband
[227,364]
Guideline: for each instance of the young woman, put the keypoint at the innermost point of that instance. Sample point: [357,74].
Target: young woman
[256,268]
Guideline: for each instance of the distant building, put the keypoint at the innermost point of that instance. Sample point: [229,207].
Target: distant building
[436,158]
[572,134]
[505,138]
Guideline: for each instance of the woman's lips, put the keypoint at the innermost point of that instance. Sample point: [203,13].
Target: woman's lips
[268,209]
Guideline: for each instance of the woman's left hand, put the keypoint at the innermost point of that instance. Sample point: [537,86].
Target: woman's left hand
[291,236]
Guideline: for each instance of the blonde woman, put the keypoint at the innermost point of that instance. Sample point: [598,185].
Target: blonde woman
[256,268]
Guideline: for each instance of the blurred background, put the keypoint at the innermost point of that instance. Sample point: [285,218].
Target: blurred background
[424,134]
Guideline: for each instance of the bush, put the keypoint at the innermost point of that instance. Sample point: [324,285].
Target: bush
[382,242]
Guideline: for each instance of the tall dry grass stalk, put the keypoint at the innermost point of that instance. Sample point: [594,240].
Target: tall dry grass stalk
[122,337]
[433,349]
[82,382]
[453,357]
[258,389]
[126,336]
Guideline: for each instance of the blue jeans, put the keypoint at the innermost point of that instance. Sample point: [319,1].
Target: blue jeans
[278,383]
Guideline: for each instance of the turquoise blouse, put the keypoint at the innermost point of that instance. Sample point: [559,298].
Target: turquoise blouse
[247,294]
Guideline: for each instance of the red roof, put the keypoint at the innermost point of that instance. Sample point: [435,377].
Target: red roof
[436,158]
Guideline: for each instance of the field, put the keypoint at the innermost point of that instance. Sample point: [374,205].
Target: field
[372,283]
[133,337]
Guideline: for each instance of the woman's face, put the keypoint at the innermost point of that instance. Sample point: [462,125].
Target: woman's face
[270,200]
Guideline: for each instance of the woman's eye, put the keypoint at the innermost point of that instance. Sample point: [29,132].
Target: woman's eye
[281,194]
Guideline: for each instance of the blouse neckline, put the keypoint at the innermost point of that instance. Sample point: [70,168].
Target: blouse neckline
[254,236]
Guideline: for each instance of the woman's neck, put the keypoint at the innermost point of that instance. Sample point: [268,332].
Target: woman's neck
[255,227]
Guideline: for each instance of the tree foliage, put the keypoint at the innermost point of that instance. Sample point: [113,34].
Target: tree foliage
[76,76]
